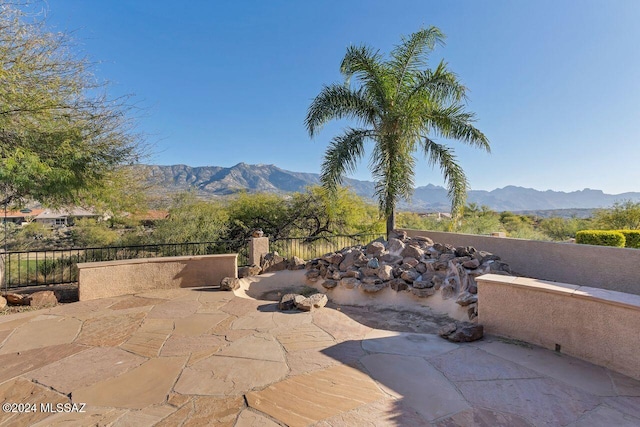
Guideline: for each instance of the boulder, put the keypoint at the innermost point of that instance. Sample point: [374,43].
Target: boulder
[395,246]
[390,259]
[461,331]
[409,275]
[466,298]
[412,251]
[372,287]
[423,240]
[410,261]
[272,262]
[17,299]
[423,293]
[229,284]
[350,258]
[422,284]
[373,263]
[375,248]
[471,264]
[312,275]
[335,258]
[43,299]
[330,283]
[295,263]
[385,273]
[398,285]
[398,234]
[349,282]
[288,301]
[253,270]
[311,303]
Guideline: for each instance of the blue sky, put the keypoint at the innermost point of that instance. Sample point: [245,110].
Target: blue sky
[555,84]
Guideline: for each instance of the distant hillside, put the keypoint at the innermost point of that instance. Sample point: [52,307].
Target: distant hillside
[216,181]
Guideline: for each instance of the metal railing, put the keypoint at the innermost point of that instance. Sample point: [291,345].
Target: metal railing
[313,247]
[47,267]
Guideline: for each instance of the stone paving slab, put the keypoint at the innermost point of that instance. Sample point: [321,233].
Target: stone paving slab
[148,384]
[22,391]
[308,398]
[193,357]
[85,368]
[40,334]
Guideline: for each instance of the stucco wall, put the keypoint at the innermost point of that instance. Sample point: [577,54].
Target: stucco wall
[113,278]
[593,324]
[616,269]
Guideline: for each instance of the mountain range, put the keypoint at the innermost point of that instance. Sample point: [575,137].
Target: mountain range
[217,181]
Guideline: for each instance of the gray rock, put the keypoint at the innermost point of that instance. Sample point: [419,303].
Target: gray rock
[349,282]
[373,262]
[422,284]
[423,293]
[288,301]
[335,258]
[385,272]
[390,258]
[312,275]
[272,262]
[253,270]
[412,251]
[295,263]
[398,234]
[466,298]
[398,285]
[471,264]
[373,287]
[370,280]
[424,240]
[409,276]
[410,261]
[395,246]
[375,248]
[421,268]
[330,284]
[462,332]
[229,284]
[311,303]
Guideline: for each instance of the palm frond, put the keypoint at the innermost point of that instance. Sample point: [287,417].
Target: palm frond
[439,84]
[454,177]
[342,156]
[454,122]
[412,53]
[337,102]
[370,72]
[392,165]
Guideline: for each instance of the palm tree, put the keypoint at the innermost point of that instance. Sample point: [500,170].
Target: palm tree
[400,107]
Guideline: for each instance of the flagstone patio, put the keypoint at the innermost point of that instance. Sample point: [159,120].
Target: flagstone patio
[199,357]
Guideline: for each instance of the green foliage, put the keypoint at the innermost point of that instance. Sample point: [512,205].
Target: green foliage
[313,213]
[631,238]
[60,135]
[30,236]
[192,220]
[623,215]
[601,238]
[92,233]
[417,222]
[401,106]
[561,229]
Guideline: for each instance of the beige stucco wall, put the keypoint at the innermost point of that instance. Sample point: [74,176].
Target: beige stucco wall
[113,278]
[616,269]
[593,324]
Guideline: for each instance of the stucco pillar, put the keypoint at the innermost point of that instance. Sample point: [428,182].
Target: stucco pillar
[258,246]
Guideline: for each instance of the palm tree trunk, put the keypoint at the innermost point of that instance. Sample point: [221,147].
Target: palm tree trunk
[391,222]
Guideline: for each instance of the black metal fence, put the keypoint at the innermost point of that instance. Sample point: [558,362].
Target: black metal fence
[313,247]
[33,268]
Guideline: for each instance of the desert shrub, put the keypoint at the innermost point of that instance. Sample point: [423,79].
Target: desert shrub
[632,238]
[601,238]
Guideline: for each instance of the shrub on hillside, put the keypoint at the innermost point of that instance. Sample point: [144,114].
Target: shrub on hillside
[632,238]
[601,238]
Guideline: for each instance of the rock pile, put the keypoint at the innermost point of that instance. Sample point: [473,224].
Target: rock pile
[272,262]
[40,299]
[416,265]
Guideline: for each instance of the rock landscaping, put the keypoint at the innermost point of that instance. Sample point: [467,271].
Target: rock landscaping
[413,265]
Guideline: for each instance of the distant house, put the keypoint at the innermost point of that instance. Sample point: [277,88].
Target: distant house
[54,218]
[22,217]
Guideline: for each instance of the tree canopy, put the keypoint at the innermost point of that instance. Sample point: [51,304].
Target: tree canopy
[61,136]
[401,107]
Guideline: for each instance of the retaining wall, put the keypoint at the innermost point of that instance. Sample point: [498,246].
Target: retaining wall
[616,269]
[593,324]
[113,278]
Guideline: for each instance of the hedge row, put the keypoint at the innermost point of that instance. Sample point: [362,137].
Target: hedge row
[617,238]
